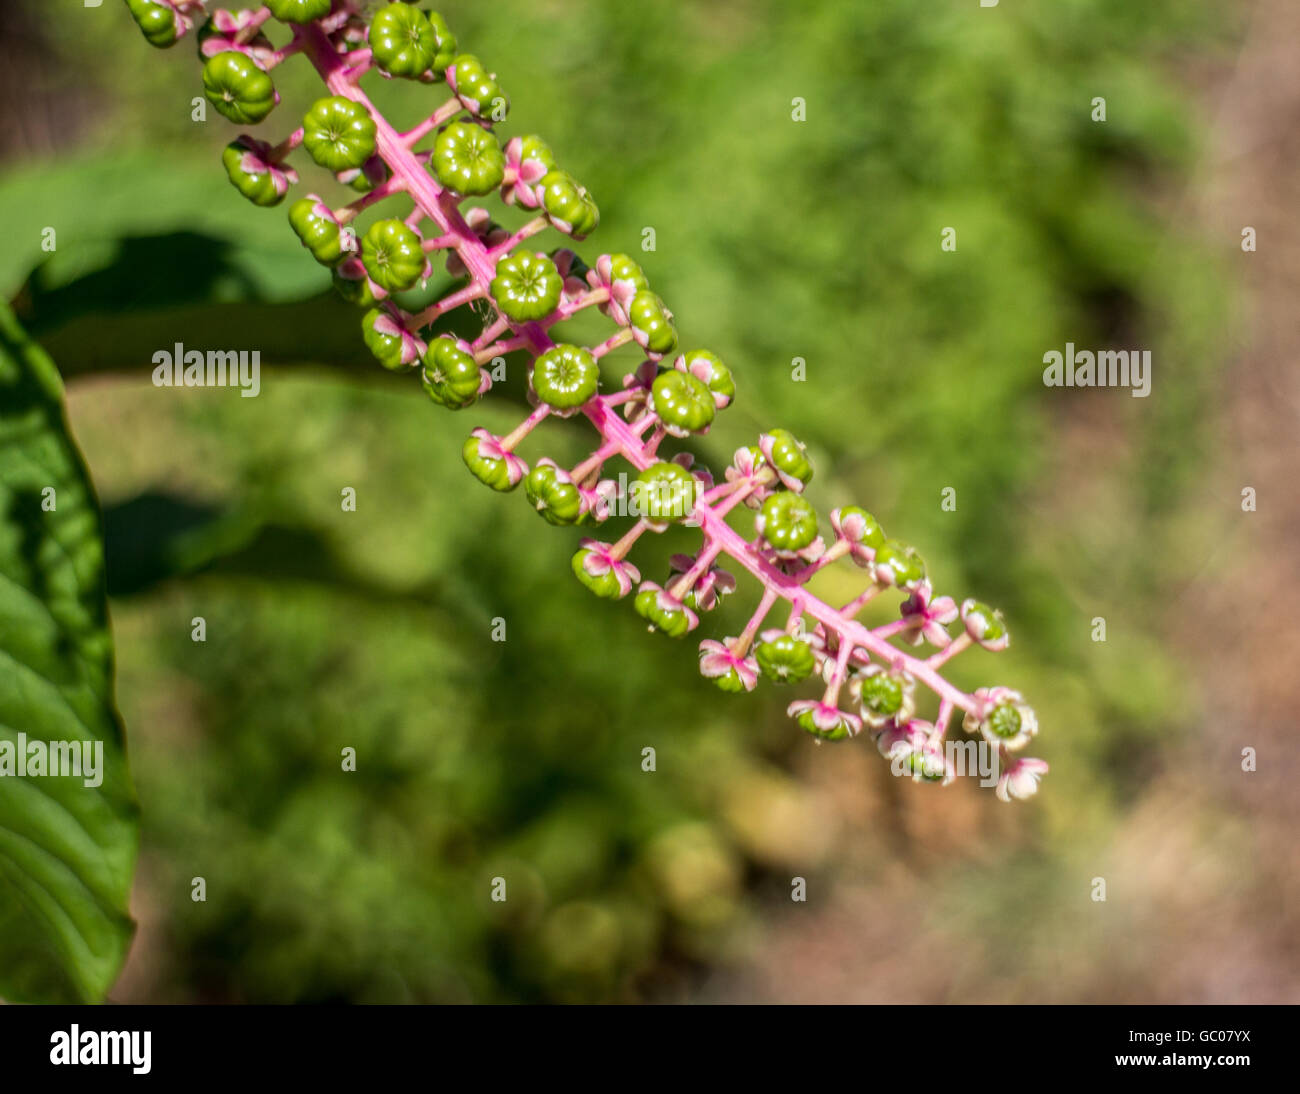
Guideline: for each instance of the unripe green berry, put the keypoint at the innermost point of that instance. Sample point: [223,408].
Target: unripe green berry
[785,658]
[451,377]
[393,348]
[565,377]
[898,564]
[553,494]
[401,41]
[445,44]
[664,492]
[338,133]
[477,89]
[568,206]
[663,612]
[527,286]
[490,463]
[788,458]
[298,11]
[262,182]
[238,88]
[467,159]
[787,521]
[315,226]
[393,255]
[652,324]
[354,287]
[683,404]
[157,22]
[711,372]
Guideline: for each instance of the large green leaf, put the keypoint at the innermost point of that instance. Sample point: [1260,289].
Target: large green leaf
[67,850]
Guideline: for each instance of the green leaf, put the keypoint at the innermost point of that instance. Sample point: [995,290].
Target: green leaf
[67,850]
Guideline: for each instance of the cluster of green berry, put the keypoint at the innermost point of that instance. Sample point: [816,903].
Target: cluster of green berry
[525,294]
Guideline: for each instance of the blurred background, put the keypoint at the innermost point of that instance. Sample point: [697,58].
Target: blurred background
[775,240]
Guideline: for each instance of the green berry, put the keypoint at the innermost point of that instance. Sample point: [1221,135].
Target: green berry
[985,625]
[859,526]
[354,287]
[248,169]
[730,681]
[565,377]
[788,458]
[568,206]
[684,405]
[884,695]
[610,580]
[711,372]
[338,133]
[623,269]
[527,286]
[785,658]
[664,492]
[787,521]
[237,88]
[898,564]
[553,494]
[298,11]
[490,463]
[451,377]
[401,41]
[444,43]
[467,159]
[833,729]
[315,226]
[652,324]
[477,89]
[393,347]
[663,612]
[157,22]
[393,255]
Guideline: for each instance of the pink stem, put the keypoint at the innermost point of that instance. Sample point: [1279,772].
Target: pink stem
[490,333]
[832,696]
[292,141]
[747,636]
[626,543]
[248,32]
[569,308]
[444,113]
[594,462]
[612,343]
[861,600]
[449,303]
[537,224]
[525,427]
[500,349]
[961,642]
[444,211]
[385,189]
[684,584]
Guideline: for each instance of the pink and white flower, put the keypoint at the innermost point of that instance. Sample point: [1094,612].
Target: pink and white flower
[1002,717]
[600,561]
[1020,780]
[928,616]
[718,659]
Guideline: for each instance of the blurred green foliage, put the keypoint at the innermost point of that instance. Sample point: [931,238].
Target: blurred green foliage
[775,240]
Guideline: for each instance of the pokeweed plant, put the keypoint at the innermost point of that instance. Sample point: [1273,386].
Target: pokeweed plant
[522,297]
